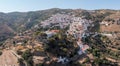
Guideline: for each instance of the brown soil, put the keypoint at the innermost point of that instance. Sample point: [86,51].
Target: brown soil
[8,59]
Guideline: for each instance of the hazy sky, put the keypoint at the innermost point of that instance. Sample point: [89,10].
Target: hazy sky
[32,5]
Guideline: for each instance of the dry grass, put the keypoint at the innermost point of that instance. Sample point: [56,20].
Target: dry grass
[8,59]
[111,28]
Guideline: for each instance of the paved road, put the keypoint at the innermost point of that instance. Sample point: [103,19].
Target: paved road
[8,59]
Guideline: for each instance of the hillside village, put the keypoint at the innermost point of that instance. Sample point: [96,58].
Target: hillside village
[64,40]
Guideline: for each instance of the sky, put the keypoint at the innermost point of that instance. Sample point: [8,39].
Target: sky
[33,5]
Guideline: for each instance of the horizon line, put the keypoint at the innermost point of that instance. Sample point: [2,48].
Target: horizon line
[58,8]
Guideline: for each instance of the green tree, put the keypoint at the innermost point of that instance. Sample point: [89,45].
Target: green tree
[27,56]
[60,45]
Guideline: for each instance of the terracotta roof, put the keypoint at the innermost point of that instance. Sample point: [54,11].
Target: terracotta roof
[55,31]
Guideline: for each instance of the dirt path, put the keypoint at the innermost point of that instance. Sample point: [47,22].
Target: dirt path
[110,59]
[113,49]
[8,59]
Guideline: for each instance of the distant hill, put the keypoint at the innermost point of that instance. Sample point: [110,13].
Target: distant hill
[5,32]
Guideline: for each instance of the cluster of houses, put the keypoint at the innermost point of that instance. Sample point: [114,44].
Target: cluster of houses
[83,47]
[61,20]
[79,29]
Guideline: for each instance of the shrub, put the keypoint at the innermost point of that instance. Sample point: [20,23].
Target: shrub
[19,52]
[27,55]
[20,60]
[60,45]
[0,52]
[40,64]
